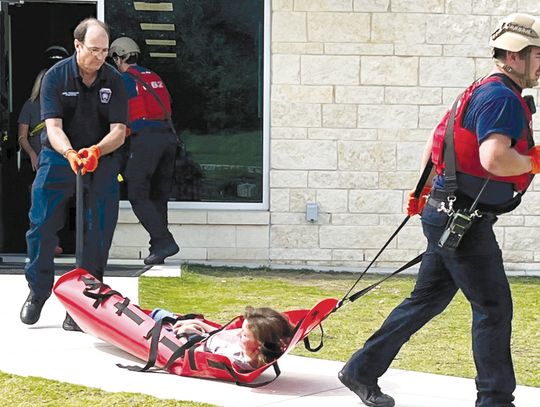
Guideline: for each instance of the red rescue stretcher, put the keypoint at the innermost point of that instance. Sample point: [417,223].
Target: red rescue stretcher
[108,315]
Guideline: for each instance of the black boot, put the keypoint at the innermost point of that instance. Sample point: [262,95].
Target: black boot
[70,325]
[371,395]
[31,309]
[159,254]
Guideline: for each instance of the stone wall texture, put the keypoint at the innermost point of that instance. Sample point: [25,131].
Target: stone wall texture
[356,87]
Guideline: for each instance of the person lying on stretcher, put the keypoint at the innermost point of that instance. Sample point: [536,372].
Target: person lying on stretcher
[263,337]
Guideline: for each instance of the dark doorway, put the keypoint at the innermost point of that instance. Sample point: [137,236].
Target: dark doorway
[32,28]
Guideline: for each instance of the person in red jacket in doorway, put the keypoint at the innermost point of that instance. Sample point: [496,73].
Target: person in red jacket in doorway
[152,148]
[493,159]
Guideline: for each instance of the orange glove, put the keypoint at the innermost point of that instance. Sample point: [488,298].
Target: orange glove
[534,153]
[415,205]
[90,157]
[74,160]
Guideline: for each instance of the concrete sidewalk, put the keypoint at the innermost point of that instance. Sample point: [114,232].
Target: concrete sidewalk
[45,350]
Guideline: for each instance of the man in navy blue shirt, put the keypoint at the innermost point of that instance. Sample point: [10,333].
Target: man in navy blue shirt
[493,147]
[84,106]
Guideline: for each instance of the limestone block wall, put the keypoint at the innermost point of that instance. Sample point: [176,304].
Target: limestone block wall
[203,236]
[357,87]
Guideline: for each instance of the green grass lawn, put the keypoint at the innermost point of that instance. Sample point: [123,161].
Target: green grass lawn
[243,148]
[442,346]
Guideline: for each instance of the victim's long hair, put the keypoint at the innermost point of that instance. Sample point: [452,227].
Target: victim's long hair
[271,329]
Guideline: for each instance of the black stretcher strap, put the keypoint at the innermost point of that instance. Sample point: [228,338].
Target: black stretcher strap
[191,358]
[317,348]
[173,346]
[95,285]
[178,351]
[191,349]
[306,341]
[91,283]
[192,342]
[154,333]
[100,297]
[122,308]
[224,366]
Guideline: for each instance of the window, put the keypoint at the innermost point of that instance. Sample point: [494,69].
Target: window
[211,57]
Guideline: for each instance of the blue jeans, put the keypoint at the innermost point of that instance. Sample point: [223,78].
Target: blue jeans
[53,186]
[476,268]
[160,313]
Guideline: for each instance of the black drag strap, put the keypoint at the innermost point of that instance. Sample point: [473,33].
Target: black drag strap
[346,296]
[417,191]
[411,263]
[423,179]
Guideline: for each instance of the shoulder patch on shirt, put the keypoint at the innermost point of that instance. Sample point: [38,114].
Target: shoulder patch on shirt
[105,95]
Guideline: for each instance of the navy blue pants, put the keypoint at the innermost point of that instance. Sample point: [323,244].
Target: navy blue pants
[476,268]
[149,177]
[52,189]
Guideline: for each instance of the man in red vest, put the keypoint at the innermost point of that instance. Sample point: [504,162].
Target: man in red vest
[152,148]
[492,162]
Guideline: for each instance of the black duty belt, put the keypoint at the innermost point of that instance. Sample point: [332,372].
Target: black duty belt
[437,196]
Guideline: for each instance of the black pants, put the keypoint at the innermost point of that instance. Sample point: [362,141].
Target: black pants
[149,176]
[476,268]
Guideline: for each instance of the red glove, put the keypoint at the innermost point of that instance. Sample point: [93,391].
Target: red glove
[90,157]
[415,205]
[534,153]
[74,160]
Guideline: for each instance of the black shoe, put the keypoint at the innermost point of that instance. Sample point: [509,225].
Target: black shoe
[371,395]
[31,309]
[160,254]
[70,325]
